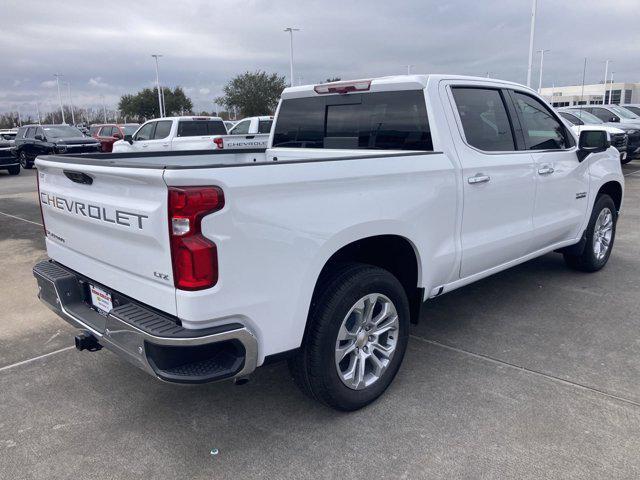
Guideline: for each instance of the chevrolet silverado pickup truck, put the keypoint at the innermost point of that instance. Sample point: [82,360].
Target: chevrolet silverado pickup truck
[372,197]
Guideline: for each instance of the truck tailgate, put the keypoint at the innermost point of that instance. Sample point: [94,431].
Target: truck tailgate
[110,224]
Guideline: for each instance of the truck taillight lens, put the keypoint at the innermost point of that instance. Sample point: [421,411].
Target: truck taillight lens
[194,257]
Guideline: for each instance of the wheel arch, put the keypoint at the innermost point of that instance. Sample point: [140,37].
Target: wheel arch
[612,188]
[392,252]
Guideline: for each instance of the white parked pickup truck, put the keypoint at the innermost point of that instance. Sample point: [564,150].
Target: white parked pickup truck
[186,133]
[373,197]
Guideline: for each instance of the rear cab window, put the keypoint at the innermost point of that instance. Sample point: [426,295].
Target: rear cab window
[378,120]
[201,128]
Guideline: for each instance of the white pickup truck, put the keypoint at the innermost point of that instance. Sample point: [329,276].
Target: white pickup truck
[373,197]
[186,133]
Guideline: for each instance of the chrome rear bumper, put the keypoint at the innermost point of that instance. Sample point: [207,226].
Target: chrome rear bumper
[148,339]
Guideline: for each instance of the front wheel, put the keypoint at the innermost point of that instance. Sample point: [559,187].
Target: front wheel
[14,170]
[357,334]
[601,233]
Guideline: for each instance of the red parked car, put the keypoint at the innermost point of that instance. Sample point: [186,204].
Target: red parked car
[109,133]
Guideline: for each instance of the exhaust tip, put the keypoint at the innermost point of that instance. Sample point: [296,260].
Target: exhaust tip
[88,342]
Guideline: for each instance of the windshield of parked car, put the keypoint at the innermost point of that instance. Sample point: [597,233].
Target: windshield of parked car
[61,131]
[586,117]
[623,112]
[130,129]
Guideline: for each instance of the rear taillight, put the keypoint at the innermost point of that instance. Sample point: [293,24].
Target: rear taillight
[194,257]
[219,141]
[40,202]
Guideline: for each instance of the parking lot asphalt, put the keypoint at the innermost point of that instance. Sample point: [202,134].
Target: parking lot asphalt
[531,373]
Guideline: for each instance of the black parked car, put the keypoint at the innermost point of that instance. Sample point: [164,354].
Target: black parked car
[7,160]
[34,140]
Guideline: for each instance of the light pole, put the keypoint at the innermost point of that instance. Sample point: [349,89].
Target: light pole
[611,89]
[57,75]
[409,69]
[291,30]
[19,117]
[73,116]
[606,71]
[541,52]
[38,112]
[156,56]
[534,7]
[104,109]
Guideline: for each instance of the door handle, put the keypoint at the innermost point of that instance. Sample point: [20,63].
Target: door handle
[478,178]
[145,145]
[546,170]
[165,144]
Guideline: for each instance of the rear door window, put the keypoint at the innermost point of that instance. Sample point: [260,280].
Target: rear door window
[106,132]
[378,120]
[200,128]
[542,130]
[31,132]
[163,129]
[484,119]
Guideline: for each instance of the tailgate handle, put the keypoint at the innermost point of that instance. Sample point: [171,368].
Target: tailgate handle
[78,177]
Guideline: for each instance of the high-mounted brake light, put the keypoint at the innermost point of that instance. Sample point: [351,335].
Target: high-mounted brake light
[219,141]
[193,256]
[343,87]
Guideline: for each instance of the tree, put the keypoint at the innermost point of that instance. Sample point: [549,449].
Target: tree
[253,93]
[144,104]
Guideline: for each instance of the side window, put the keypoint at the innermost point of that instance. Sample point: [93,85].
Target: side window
[242,128]
[603,114]
[264,126]
[106,131]
[542,131]
[31,132]
[484,119]
[146,132]
[40,132]
[163,129]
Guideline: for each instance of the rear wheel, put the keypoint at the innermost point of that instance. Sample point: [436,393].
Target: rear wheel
[357,334]
[25,162]
[601,233]
[14,170]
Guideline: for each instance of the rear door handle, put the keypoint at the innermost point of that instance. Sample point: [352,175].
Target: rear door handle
[165,144]
[145,145]
[546,170]
[478,178]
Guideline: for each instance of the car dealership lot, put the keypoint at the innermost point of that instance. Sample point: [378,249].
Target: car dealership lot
[530,373]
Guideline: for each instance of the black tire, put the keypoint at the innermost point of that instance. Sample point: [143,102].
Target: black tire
[588,261]
[314,366]
[25,162]
[626,160]
[14,170]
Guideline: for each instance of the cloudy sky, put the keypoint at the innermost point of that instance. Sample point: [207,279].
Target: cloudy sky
[104,48]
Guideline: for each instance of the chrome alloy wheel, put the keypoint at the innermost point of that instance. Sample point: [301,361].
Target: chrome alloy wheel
[602,233]
[366,341]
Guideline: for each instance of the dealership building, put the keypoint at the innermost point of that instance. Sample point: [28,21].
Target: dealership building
[592,95]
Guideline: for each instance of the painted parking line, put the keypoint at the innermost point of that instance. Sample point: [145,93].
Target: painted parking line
[546,376]
[632,173]
[20,218]
[39,357]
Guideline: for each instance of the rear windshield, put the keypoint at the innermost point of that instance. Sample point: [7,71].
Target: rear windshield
[196,128]
[380,120]
[264,126]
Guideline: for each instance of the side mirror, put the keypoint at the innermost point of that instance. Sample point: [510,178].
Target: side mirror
[128,138]
[592,141]
[614,119]
[118,136]
[39,137]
